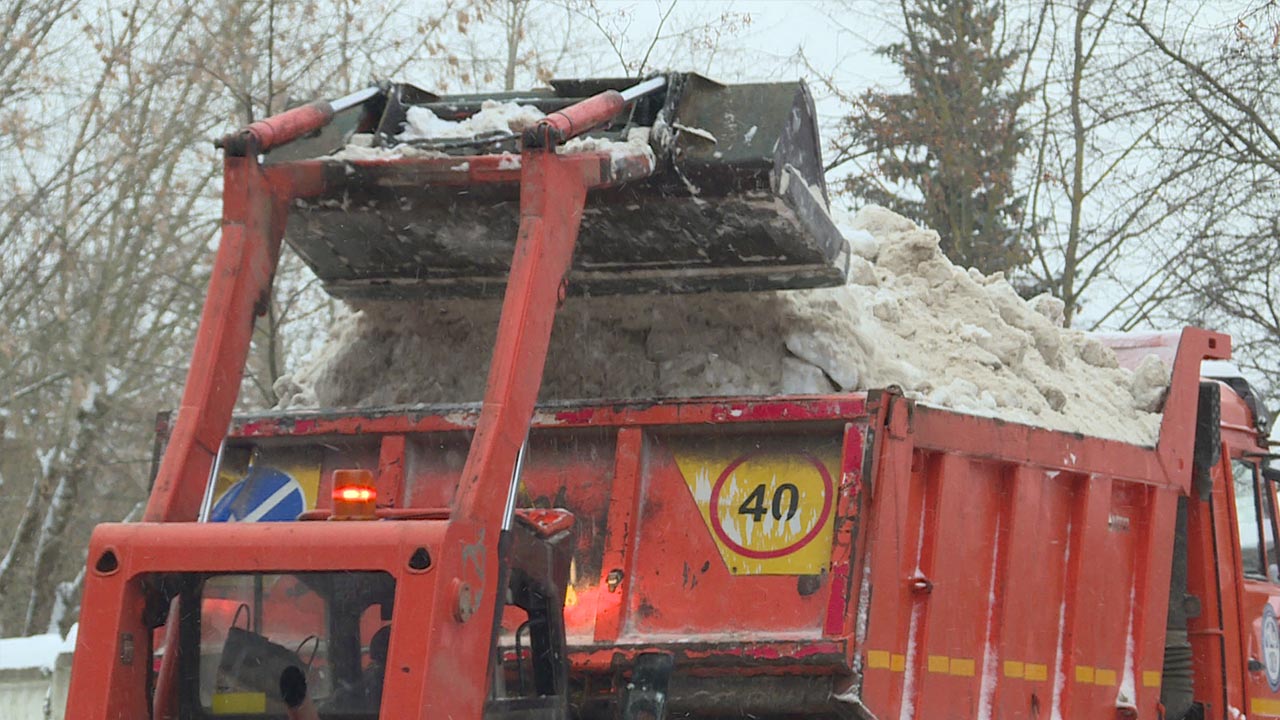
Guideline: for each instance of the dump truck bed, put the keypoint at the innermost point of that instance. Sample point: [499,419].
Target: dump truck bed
[818,555]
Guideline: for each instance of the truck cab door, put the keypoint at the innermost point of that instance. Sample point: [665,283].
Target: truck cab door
[1259,589]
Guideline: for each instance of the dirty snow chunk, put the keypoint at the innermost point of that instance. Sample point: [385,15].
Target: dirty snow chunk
[1052,308]
[697,132]
[494,117]
[1150,380]
[882,222]
[636,143]
[965,395]
[361,152]
[1127,697]
[908,319]
[291,394]
[1092,351]
[908,251]
[822,353]
[861,242]
[861,272]
[801,378]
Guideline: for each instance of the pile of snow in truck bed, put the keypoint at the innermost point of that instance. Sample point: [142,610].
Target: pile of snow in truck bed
[907,317]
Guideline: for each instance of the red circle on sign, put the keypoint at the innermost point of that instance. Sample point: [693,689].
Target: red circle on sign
[828,490]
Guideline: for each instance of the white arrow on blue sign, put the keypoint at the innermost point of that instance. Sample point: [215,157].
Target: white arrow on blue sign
[264,495]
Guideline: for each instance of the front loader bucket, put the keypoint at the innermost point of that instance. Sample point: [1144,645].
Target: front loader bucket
[736,200]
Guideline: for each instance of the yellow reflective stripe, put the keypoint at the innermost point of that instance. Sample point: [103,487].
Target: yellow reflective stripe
[1264,706]
[1106,678]
[884,660]
[1016,669]
[240,703]
[1095,676]
[961,667]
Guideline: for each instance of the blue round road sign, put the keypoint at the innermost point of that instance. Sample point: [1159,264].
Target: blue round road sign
[264,495]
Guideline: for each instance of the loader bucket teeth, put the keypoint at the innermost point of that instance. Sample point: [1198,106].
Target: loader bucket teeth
[735,201]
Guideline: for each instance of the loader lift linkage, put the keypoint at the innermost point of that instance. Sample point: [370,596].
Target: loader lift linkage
[759,222]
[553,191]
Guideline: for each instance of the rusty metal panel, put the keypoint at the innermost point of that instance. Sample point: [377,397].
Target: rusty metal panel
[735,535]
[649,569]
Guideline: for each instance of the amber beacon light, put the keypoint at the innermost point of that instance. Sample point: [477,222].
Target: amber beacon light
[354,495]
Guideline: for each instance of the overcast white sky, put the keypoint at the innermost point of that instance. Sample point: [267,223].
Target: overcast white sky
[836,37]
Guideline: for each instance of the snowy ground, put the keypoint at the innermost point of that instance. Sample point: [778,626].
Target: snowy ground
[37,651]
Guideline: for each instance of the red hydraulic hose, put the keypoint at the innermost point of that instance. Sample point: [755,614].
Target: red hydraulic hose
[289,125]
[582,116]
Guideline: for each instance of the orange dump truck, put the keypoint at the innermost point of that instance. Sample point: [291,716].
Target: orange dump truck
[857,555]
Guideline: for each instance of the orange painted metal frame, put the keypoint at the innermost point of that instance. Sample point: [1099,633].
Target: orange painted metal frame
[1010,566]
[553,191]
[637,457]
[113,653]
[1226,633]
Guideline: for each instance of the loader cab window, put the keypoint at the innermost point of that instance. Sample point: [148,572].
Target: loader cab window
[1255,515]
[251,629]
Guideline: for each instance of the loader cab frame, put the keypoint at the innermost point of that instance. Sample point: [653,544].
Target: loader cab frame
[202,610]
[546,194]
[1232,600]
[242,629]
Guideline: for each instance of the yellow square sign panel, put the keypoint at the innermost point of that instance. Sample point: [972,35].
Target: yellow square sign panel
[769,504]
[300,465]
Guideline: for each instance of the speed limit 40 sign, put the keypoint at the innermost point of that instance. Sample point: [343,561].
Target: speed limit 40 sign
[769,507]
